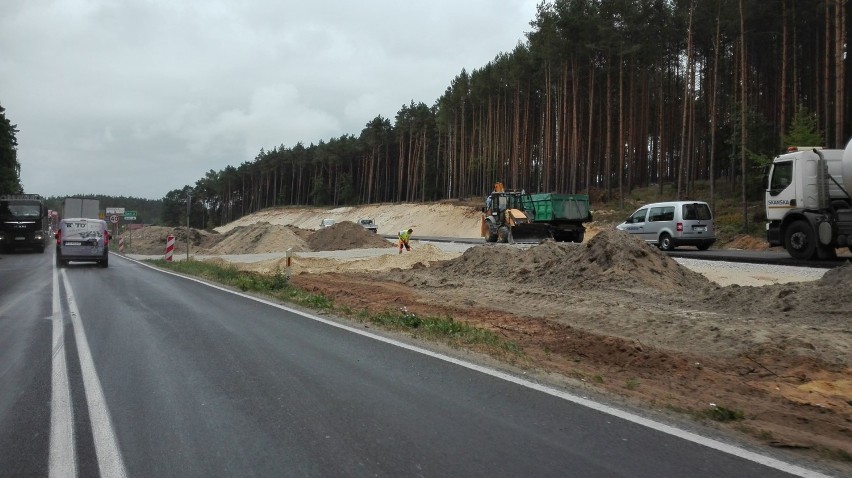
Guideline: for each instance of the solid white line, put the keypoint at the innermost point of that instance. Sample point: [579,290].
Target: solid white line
[110,462]
[62,461]
[624,415]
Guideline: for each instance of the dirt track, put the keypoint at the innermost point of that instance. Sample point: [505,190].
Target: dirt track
[614,313]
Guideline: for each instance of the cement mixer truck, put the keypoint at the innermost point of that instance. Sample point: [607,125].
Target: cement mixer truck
[808,202]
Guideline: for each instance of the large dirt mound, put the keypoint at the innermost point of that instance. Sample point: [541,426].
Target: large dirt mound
[610,259]
[345,235]
[801,300]
[151,240]
[257,239]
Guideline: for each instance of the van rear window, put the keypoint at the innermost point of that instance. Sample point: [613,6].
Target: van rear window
[696,211]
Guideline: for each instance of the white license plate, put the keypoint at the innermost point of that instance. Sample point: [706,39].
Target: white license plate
[72,243]
[20,238]
[699,228]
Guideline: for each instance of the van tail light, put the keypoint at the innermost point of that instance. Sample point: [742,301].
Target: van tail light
[58,236]
[680,227]
[106,238]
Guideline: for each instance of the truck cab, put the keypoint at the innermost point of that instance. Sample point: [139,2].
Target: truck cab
[808,206]
[23,222]
[368,224]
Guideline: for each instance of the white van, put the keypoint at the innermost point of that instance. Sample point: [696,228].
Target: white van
[672,224]
[82,239]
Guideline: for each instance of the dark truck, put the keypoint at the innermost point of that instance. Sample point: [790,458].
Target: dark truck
[23,222]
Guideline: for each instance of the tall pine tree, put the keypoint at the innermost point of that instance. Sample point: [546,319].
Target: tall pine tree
[10,169]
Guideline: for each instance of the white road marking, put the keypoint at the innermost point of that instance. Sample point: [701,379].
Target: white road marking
[62,460]
[110,462]
[624,415]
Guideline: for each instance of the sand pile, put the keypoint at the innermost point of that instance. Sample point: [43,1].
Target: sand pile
[345,235]
[809,302]
[257,239]
[152,239]
[610,259]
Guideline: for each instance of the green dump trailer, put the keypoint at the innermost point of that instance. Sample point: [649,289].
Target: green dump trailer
[563,214]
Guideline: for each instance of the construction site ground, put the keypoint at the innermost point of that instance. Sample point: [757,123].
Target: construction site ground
[760,353]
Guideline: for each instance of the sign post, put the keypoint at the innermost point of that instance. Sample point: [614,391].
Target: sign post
[130,216]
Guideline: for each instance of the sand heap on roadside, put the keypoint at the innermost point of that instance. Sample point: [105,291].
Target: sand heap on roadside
[610,259]
[828,296]
[151,240]
[345,235]
[258,238]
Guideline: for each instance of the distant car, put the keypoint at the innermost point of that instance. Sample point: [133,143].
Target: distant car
[326,223]
[369,225]
[672,224]
[82,239]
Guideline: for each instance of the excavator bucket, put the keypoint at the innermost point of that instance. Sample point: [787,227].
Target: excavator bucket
[523,230]
[530,233]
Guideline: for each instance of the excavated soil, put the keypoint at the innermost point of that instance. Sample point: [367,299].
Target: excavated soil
[613,314]
[345,235]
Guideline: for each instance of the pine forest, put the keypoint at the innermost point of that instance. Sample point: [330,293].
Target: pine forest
[601,97]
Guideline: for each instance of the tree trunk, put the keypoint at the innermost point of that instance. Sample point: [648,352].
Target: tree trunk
[839,36]
[743,116]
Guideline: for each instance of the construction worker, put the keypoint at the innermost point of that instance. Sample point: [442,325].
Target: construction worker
[404,236]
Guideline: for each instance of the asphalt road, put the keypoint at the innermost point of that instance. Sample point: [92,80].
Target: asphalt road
[130,371]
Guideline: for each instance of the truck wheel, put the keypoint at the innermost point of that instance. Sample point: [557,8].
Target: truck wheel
[800,241]
[578,237]
[503,234]
[490,234]
[666,243]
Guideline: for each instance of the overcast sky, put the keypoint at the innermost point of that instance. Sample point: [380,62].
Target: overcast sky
[140,97]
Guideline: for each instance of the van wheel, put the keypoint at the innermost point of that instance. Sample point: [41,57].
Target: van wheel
[666,243]
[800,241]
[703,246]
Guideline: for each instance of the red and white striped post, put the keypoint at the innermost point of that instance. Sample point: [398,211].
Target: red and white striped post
[170,247]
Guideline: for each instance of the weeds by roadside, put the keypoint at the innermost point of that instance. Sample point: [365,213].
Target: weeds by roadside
[277,285]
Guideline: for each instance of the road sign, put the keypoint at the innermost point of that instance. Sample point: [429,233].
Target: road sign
[115,210]
[129,215]
[113,219]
